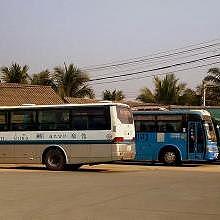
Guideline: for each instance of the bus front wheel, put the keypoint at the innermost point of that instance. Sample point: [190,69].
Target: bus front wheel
[55,159]
[170,157]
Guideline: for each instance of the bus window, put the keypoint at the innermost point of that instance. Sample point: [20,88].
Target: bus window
[3,121]
[80,122]
[99,119]
[98,122]
[169,126]
[23,120]
[124,115]
[145,126]
[91,119]
[52,120]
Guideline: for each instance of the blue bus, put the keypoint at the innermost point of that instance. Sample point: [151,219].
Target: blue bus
[171,137]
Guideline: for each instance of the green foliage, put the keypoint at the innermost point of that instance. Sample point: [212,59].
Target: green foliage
[42,78]
[15,74]
[71,81]
[213,92]
[116,95]
[146,96]
[213,76]
[168,91]
[189,97]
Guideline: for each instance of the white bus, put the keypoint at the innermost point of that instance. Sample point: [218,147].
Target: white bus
[58,135]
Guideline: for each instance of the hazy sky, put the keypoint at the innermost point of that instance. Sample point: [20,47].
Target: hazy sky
[45,33]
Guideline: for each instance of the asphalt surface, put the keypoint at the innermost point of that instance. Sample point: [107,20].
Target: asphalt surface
[112,191]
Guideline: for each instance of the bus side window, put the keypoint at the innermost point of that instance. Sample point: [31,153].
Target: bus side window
[145,126]
[3,121]
[53,120]
[23,120]
[148,126]
[80,122]
[91,118]
[98,122]
[169,126]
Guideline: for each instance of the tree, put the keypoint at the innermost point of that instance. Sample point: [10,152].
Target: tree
[213,90]
[190,97]
[168,90]
[116,95]
[213,76]
[146,96]
[15,73]
[42,78]
[71,81]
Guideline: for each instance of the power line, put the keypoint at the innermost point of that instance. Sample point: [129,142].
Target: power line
[140,57]
[159,74]
[156,69]
[151,57]
[160,62]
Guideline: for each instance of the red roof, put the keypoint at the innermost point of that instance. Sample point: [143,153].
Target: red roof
[19,94]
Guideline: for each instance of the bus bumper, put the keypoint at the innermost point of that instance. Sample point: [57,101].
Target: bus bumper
[211,156]
[122,151]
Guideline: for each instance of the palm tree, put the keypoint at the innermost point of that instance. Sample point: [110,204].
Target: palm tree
[146,96]
[71,81]
[42,78]
[15,73]
[168,90]
[116,95]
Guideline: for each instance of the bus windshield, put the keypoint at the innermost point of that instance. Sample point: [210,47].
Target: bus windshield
[124,115]
[209,127]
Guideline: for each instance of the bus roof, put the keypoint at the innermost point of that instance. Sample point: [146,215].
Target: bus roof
[175,112]
[33,106]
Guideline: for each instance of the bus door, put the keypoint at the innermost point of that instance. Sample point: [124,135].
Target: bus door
[196,141]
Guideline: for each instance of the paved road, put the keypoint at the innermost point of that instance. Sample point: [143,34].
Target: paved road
[111,192]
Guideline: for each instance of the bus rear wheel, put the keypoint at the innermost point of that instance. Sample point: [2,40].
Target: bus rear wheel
[55,159]
[170,157]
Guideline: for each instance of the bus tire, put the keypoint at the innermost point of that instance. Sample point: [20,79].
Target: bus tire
[55,159]
[170,157]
